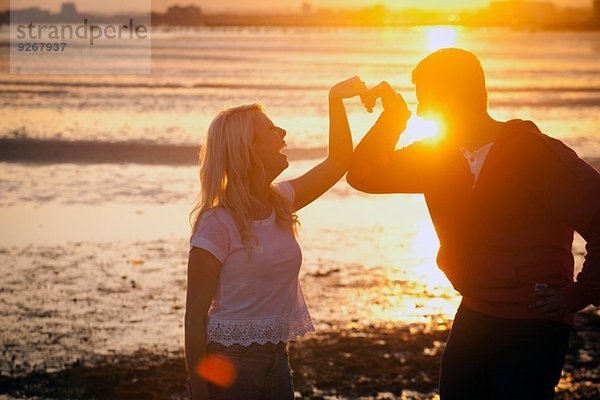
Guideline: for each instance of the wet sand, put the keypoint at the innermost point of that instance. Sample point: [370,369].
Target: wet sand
[103,318]
[367,363]
[93,289]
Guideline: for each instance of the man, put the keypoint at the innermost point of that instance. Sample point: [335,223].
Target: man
[504,199]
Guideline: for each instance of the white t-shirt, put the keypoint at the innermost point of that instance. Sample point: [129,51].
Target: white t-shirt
[476,159]
[258,298]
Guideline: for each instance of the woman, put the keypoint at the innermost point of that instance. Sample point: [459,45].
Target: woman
[244,301]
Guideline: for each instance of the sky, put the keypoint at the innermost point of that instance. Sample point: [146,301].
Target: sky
[107,6]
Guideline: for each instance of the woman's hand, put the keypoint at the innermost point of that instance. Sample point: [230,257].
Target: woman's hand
[198,391]
[348,88]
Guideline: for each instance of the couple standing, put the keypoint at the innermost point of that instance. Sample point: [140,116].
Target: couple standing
[504,198]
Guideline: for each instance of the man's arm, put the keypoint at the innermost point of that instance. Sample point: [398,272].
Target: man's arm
[376,166]
[570,189]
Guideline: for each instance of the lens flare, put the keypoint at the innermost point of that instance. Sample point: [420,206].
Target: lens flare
[217,370]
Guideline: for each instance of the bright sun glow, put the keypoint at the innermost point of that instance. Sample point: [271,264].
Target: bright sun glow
[418,129]
[440,37]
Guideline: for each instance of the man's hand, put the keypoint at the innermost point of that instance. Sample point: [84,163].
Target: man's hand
[348,88]
[390,99]
[551,302]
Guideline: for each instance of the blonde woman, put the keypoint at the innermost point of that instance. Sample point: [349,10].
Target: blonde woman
[244,301]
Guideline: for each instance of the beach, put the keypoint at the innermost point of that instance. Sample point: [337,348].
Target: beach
[352,363]
[98,175]
[107,311]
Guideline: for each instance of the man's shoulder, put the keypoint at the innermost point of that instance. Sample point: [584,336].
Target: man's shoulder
[520,130]
[529,136]
[542,150]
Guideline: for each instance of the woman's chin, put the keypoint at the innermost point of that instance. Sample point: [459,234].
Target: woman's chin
[276,172]
[284,165]
[278,168]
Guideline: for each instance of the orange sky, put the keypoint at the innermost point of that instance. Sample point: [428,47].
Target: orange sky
[264,5]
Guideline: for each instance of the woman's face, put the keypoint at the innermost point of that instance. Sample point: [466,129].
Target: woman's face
[268,143]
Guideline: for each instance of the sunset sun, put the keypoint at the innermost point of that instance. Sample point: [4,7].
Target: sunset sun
[419,128]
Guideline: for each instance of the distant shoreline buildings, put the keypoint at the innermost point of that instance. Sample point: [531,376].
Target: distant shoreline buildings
[538,15]
[68,14]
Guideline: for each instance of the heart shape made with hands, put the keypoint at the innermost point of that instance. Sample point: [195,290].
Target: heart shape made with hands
[390,99]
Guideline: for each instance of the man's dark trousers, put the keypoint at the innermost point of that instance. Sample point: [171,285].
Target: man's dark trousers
[489,358]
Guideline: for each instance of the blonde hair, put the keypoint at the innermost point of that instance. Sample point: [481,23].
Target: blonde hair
[226,163]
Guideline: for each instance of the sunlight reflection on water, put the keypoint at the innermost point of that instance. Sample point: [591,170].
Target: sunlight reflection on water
[441,36]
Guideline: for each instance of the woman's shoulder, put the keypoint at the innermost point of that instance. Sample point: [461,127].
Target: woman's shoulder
[286,189]
[216,216]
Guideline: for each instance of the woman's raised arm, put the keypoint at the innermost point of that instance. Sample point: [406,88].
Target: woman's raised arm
[323,176]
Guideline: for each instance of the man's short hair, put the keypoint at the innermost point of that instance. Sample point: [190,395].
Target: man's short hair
[454,73]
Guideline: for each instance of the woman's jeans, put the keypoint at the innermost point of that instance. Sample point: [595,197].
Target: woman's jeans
[262,372]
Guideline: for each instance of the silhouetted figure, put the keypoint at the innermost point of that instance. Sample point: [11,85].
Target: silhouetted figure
[504,199]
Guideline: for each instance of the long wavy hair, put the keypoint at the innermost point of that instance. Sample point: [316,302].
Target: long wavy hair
[226,164]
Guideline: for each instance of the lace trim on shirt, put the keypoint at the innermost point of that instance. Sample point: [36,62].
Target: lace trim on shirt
[246,332]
